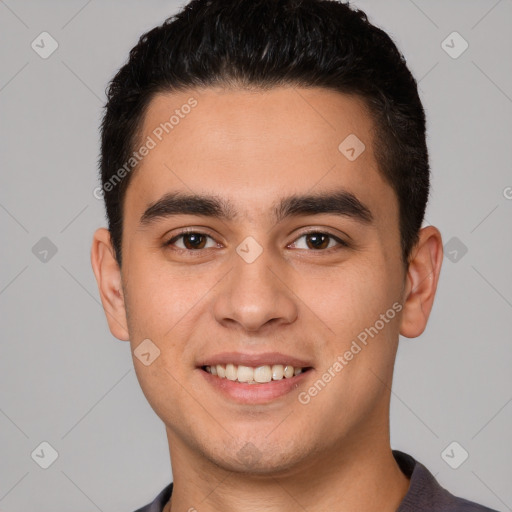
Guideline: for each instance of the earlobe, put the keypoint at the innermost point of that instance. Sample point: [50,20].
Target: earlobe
[421,282]
[108,278]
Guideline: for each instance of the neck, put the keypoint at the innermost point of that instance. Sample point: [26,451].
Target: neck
[364,478]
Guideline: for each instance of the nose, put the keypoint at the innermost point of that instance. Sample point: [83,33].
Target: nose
[254,294]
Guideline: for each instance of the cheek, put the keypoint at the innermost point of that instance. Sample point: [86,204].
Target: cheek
[167,307]
[350,299]
[162,308]
[160,299]
[360,307]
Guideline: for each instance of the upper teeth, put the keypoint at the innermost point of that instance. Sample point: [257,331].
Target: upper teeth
[251,375]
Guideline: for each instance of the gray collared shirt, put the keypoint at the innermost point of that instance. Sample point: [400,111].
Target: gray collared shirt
[424,494]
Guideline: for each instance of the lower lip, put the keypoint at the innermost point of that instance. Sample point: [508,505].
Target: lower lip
[255,393]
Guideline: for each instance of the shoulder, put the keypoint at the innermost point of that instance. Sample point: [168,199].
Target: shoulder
[469,506]
[159,502]
[425,494]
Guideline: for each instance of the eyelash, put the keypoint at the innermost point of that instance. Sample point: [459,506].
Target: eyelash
[341,243]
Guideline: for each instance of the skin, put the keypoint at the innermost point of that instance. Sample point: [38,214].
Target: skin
[254,148]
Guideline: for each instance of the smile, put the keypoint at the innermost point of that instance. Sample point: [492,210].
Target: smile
[254,375]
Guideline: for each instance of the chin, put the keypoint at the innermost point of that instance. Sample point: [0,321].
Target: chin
[267,459]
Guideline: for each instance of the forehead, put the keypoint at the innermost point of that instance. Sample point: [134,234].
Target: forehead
[255,145]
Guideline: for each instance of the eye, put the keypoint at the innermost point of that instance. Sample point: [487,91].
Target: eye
[318,240]
[315,240]
[191,241]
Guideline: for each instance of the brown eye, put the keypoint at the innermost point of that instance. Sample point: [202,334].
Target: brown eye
[194,241]
[317,240]
[190,241]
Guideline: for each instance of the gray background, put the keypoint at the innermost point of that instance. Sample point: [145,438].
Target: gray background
[64,378]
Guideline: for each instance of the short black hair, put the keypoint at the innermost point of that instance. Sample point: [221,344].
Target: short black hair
[265,44]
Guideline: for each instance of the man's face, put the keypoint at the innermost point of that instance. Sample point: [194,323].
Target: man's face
[255,287]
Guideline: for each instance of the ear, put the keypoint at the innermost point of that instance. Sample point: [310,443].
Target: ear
[108,277]
[421,282]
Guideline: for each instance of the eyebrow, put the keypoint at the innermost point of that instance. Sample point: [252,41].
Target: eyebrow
[338,202]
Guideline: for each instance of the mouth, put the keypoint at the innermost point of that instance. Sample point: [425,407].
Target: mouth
[255,379]
[262,374]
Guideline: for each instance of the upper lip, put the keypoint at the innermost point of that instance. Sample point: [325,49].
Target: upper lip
[254,360]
